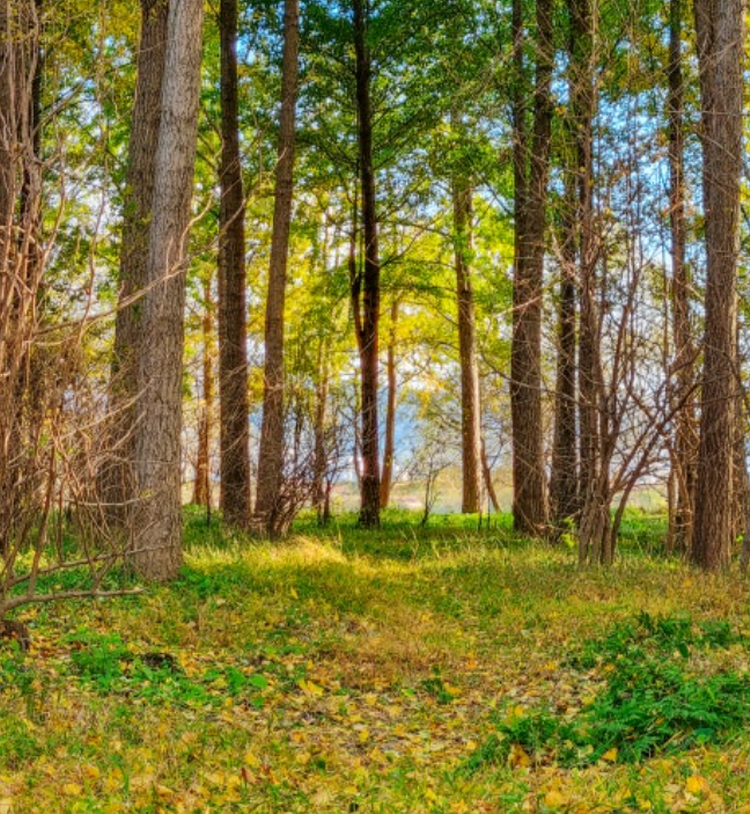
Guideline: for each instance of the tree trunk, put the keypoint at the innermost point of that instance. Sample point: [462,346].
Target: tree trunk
[369,515]
[389,449]
[682,373]
[594,528]
[720,39]
[157,531]
[20,262]
[116,483]
[471,444]
[271,460]
[487,473]
[564,474]
[202,487]
[531,171]
[320,461]
[233,407]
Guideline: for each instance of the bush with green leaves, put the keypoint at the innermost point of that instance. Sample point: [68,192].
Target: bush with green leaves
[653,699]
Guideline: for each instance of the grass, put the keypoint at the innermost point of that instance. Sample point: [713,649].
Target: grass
[406,670]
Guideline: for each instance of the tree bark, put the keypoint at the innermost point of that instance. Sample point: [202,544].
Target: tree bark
[564,473]
[20,261]
[202,486]
[369,515]
[594,539]
[686,436]
[471,444]
[233,406]
[320,461]
[389,448]
[117,486]
[489,485]
[720,39]
[531,171]
[271,460]
[156,533]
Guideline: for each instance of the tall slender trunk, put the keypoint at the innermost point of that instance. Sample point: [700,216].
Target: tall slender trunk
[531,172]
[594,527]
[202,486]
[20,260]
[156,531]
[234,409]
[684,353]
[564,472]
[320,463]
[487,474]
[271,459]
[389,448]
[369,515]
[471,443]
[720,39]
[116,482]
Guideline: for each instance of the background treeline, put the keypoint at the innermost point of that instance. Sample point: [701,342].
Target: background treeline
[260,248]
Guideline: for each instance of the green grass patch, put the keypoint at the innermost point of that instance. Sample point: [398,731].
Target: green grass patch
[652,698]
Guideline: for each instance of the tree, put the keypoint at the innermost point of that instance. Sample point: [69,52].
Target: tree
[389,447]
[471,442]
[271,459]
[369,284]
[719,28]
[684,352]
[531,153]
[116,482]
[156,531]
[234,432]
[202,485]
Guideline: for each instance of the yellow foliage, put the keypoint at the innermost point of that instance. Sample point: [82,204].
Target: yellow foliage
[697,785]
[519,758]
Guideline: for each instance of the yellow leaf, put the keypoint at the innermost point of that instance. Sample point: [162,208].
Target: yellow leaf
[6,805]
[610,756]
[251,760]
[73,789]
[90,771]
[554,799]
[519,758]
[696,785]
[293,593]
[164,792]
[310,687]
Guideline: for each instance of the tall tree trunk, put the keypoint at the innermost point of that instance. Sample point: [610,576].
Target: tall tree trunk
[202,487]
[233,407]
[389,448]
[720,38]
[157,528]
[594,536]
[271,459]
[369,515]
[116,482]
[320,462]
[471,443]
[20,259]
[564,472]
[683,374]
[531,172]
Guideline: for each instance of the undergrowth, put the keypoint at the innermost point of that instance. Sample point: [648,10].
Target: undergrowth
[652,698]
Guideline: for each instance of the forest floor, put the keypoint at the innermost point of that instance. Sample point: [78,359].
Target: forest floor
[439,670]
